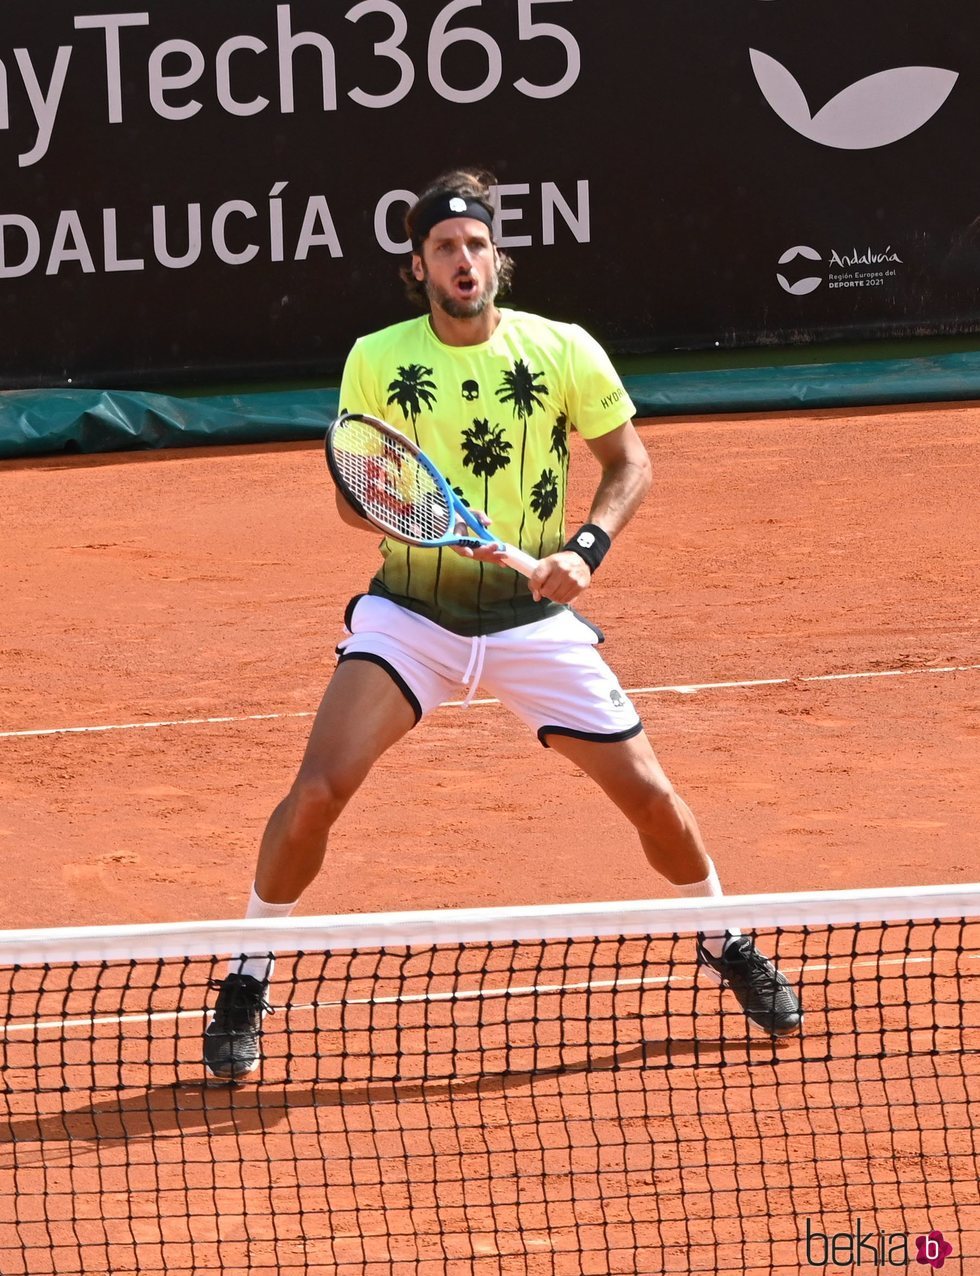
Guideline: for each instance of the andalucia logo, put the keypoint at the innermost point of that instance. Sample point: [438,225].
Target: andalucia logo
[855,267]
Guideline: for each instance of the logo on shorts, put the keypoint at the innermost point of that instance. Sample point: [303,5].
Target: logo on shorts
[617,698]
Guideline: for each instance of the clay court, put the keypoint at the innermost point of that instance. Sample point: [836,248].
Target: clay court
[796,611]
[167,588]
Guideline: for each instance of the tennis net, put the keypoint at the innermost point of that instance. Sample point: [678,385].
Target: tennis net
[529,1090]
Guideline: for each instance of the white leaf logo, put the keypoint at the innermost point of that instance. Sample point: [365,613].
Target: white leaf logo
[802,286]
[801,250]
[875,111]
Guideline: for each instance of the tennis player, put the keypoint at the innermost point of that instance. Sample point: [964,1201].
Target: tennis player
[490,395]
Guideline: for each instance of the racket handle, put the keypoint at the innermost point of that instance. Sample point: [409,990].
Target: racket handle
[516,558]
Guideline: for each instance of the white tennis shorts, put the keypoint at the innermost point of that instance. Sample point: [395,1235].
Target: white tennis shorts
[548,673]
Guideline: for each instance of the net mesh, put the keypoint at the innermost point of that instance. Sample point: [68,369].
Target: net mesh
[389,481]
[566,1104]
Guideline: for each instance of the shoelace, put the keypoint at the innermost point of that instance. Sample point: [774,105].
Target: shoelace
[761,971]
[238,996]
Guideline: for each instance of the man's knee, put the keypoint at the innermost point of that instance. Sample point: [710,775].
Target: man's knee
[315,801]
[654,803]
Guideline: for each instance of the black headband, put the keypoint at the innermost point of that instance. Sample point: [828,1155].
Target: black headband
[444,207]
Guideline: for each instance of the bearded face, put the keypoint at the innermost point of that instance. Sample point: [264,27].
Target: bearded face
[458,266]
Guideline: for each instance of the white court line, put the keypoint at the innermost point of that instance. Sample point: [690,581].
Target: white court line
[682,689]
[466,994]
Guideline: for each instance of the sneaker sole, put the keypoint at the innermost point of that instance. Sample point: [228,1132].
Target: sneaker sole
[782,1032]
[710,973]
[230,1074]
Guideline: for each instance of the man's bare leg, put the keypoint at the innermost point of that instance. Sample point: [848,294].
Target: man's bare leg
[363,713]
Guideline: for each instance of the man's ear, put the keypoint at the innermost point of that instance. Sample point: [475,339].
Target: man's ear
[418,270]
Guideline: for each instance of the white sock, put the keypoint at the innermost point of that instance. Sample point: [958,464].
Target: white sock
[259,965]
[710,888]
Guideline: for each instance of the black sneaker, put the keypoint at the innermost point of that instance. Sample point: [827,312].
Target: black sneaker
[231,1040]
[762,992]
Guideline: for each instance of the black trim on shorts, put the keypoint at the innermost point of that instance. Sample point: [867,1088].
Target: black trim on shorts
[597,736]
[349,610]
[600,637]
[392,673]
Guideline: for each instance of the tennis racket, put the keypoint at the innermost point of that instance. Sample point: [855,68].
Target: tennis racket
[390,481]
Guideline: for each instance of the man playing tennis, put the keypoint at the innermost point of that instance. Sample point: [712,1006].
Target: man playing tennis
[490,395]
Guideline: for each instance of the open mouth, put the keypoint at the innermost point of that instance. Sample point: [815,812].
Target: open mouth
[466,286]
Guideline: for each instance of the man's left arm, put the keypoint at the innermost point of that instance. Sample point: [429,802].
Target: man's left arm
[626,478]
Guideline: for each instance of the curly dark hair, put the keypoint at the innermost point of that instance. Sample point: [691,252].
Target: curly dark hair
[471,184]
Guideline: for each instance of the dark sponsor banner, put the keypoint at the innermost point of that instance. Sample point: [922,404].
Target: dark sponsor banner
[204,190]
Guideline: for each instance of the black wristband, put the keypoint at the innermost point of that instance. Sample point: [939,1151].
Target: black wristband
[591,543]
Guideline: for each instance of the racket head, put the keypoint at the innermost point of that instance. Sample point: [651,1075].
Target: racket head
[390,481]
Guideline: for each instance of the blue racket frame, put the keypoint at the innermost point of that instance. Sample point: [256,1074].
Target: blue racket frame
[481,538]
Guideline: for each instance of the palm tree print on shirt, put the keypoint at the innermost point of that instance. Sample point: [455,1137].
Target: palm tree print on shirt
[544,501]
[485,451]
[559,446]
[559,439]
[412,389]
[522,388]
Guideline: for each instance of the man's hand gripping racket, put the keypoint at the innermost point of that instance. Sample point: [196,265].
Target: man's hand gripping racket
[388,480]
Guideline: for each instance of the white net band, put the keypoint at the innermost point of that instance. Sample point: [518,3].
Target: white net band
[488,925]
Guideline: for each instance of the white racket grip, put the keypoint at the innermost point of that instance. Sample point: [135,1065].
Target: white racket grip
[516,558]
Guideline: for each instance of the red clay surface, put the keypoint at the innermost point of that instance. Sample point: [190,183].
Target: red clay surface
[554,1134]
[155,587]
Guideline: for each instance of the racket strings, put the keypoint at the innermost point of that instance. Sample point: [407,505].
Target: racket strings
[390,483]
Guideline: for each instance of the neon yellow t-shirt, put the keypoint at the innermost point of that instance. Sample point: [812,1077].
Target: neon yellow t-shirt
[494,418]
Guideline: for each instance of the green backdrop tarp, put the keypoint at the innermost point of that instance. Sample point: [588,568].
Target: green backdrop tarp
[943,378]
[43,422]
[39,422]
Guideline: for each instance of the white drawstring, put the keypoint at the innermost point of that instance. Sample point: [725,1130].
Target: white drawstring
[474,670]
